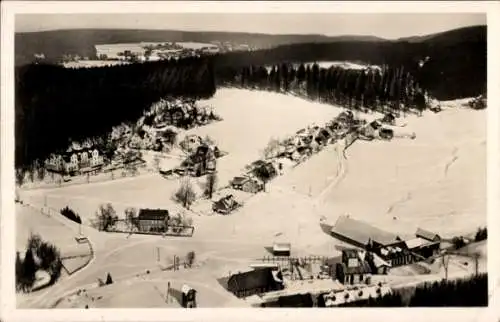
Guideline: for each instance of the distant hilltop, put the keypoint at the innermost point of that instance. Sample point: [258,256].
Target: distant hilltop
[56,43]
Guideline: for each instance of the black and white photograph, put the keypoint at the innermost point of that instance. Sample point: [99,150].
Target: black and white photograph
[185,160]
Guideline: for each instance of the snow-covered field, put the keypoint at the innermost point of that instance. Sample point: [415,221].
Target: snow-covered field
[251,119]
[437,182]
[111,50]
[342,64]
[93,63]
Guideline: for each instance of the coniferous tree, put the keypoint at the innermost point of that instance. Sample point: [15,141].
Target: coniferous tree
[28,269]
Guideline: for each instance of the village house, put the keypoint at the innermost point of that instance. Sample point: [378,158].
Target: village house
[352,270]
[152,220]
[76,159]
[388,118]
[390,247]
[423,248]
[256,281]
[247,184]
[225,205]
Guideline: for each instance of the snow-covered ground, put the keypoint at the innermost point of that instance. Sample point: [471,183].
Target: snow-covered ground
[251,119]
[93,63]
[437,182]
[342,64]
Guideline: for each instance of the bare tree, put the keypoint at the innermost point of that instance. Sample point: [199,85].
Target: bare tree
[210,185]
[130,214]
[185,194]
[106,217]
[272,148]
[190,257]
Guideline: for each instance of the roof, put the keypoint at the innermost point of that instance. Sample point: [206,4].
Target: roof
[416,242]
[282,246]
[259,278]
[296,300]
[239,180]
[350,253]
[426,234]
[379,262]
[152,214]
[226,203]
[362,232]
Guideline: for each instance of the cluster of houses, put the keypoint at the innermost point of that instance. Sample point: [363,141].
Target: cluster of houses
[182,113]
[372,252]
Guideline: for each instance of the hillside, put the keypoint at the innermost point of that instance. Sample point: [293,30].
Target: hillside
[455,67]
[81,41]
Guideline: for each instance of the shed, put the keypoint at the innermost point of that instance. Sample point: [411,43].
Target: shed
[282,249]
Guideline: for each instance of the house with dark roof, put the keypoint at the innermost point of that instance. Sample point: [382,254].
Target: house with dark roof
[152,220]
[255,282]
[425,234]
[361,234]
[352,269]
[247,184]
[225,205]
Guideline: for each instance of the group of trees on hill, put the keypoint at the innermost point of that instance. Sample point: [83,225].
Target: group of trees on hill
[468,292]
[455,61]
[39,255]
[54,103]
[356,88]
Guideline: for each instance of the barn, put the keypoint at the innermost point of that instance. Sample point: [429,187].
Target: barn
[360,234]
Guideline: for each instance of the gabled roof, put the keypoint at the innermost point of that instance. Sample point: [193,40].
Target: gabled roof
[259,278]
[152,214]
[362,232]
[426,234]
[240,180]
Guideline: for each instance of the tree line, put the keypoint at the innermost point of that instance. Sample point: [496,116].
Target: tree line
[370,88]
[56,104]
[449,65]
[467,292]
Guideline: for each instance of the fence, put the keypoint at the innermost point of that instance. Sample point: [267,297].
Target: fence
[170,230]
[301,260]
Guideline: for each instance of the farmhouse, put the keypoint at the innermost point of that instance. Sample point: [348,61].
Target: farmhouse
[389,247]
[152,220]
[360,234]
[352,269]
[225,205]
[247,184]
[255,282]
[423,247]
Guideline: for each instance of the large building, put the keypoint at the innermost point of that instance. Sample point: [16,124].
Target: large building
[256,281]
[152,220]
[390,248]
[361,234]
